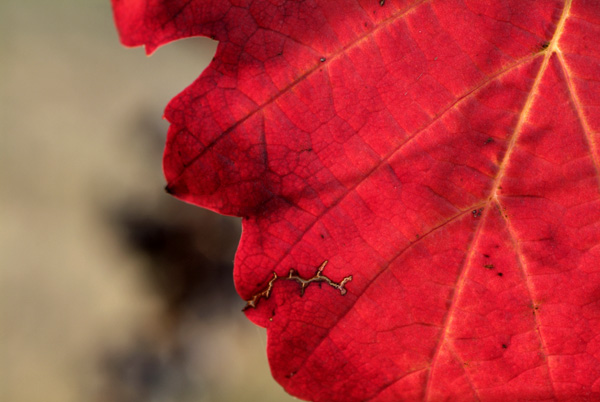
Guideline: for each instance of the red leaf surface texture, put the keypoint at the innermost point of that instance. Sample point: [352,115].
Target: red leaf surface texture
[419,183]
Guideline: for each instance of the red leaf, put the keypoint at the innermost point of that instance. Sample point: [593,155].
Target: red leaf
[445,154]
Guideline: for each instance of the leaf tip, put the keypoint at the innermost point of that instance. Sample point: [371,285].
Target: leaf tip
[170,189]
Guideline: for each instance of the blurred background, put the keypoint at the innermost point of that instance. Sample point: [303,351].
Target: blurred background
[110,290]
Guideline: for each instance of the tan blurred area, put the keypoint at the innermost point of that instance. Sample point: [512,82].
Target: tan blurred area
[110,290]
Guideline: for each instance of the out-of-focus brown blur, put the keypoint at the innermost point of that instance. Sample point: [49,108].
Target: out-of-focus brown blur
[110,290]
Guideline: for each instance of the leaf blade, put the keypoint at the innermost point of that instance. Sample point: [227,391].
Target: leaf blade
[435,151]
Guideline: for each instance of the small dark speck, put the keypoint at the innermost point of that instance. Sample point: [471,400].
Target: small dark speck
[489,266]
[323,59]
[486,255]
[545,45]
[490,139]
[499,273]
[322,237]
[381,3]
[504,346]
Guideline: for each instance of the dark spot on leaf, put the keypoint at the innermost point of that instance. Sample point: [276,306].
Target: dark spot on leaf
[486,255]
[477,212]
[504,346]
[322,237]
[489,266]
[500,274]
[381,3]
[290,375]
[544,45]
[489,139]
[323,59]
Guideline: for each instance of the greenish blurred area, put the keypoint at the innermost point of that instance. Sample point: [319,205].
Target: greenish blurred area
[110,290]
